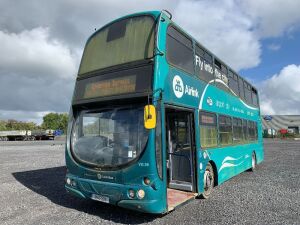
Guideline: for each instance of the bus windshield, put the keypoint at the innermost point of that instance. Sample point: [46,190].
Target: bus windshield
[124,41]
[110,137]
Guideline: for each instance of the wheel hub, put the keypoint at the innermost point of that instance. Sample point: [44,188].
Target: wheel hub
[253,161]
[207,180]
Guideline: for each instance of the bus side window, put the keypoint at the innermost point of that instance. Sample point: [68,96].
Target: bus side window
[254,97]
[225,130]
[251,130]
[245,131]
[237,130]
[221,74]
[241,88]
[247,89]
[208,130]
[203,63]
[180,50]
[256,131]
[233,82]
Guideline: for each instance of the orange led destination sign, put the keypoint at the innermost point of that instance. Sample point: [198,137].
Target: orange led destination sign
[110,87]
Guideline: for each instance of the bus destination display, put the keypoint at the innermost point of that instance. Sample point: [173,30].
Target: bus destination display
[110,87]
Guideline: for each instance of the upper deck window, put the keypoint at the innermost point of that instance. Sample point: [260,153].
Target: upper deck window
[241,88]
[254,97]
[180,50]
[247,89]
[233,82]
[124,41]
[204,68]
[221,74]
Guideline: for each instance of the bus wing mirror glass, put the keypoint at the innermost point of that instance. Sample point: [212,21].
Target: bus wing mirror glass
[149,117]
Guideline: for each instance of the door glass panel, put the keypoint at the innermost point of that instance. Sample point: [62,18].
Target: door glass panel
[179,140]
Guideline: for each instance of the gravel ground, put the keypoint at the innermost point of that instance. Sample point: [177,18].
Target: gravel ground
[32,192]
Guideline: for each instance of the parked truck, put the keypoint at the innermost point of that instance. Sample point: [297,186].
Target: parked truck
[43,134]
[15,135]
[26,135]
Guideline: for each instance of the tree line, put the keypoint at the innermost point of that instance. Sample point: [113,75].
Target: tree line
[54,121]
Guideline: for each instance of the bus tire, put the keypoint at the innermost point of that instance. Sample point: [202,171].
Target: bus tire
[253,162]
[209,178]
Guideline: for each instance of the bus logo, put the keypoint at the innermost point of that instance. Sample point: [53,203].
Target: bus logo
[209,101]
[178,87]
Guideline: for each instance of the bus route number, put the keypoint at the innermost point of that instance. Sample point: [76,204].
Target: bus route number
[143,164]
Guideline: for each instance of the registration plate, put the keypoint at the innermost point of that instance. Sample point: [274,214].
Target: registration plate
[100,198]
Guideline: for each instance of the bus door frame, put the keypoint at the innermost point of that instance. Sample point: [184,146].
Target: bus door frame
[192,137]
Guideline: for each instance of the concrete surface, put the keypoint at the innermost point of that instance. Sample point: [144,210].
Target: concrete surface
[32,192]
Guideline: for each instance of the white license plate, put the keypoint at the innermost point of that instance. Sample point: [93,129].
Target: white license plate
[100,198]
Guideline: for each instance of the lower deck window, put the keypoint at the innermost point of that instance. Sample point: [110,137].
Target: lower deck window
[252,130]
[245,131]
[208,130]
[225,130]
[237,130]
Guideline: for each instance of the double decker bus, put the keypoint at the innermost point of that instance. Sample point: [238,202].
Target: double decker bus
[156,119]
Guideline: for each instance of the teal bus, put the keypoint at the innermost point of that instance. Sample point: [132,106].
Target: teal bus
[157,119]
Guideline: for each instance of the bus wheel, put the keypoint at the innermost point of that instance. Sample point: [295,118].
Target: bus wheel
[253,162]
[208,181]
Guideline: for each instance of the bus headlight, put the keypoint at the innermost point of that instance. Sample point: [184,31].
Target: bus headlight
[68,181]
[131,193]
[140,194]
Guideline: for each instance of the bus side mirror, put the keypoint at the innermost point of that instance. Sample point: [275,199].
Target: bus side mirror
[149,117]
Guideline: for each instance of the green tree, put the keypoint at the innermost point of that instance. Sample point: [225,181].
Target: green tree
[55,121]
[17,125]
[2,125]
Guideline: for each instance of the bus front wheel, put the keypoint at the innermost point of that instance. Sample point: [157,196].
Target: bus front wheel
[208,181]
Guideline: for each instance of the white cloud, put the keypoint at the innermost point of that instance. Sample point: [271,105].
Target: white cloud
[272,18]
[274,47]
[32,53]
[281,93]
[25,116]
[36,72]
[224,30]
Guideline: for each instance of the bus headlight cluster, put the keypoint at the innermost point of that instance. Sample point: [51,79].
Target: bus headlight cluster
[71,182]
[131,193]
[140,194]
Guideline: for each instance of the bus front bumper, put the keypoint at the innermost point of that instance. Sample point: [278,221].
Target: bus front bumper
[117,194]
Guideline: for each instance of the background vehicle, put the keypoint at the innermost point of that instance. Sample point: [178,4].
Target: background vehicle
[26,135]
[156,119]
[14,135]
[43,134]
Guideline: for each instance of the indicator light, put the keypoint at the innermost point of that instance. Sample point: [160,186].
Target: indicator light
[147,181]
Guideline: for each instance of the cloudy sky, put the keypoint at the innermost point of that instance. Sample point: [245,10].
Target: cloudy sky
[41,43]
